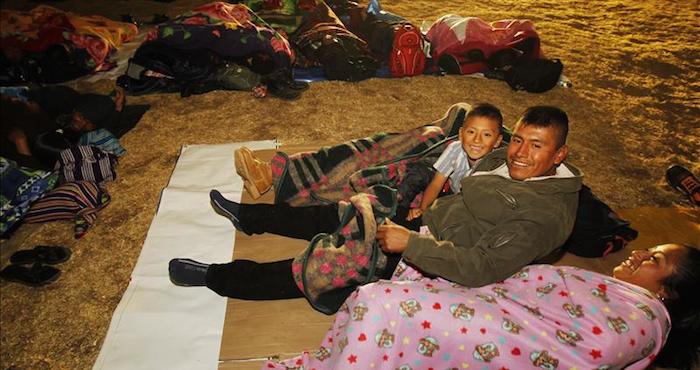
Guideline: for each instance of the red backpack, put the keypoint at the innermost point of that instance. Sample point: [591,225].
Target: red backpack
[396,42]
[407,57]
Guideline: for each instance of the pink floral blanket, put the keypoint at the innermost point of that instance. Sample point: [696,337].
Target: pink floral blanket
[546,317]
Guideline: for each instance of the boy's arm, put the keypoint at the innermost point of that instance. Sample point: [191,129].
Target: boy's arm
[431,192]
[429,195]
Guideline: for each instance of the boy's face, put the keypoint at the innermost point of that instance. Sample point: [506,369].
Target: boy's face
[479,136]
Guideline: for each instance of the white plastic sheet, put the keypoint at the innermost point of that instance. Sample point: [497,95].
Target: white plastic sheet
[158,325]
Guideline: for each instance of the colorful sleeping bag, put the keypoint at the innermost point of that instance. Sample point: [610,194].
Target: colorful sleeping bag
[62,44]
[543,317]
[232,31]
[21,186]
[216,46]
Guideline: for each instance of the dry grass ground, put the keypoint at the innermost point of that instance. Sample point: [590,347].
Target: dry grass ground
[634,111]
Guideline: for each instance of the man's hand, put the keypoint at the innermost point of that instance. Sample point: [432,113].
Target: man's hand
[392,237]
[414,213]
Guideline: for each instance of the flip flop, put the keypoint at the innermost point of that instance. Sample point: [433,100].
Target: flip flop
[684,181]
[35,276]
[43,254]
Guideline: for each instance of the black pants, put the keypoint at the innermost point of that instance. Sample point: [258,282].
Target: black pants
[251,280]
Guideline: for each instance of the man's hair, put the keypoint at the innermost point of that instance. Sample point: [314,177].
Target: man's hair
[547,116]
[485,110]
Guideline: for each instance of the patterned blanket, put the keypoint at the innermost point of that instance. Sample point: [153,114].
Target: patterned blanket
[335,264]
[230,30]
[543,317]
[44,26]
[336,173]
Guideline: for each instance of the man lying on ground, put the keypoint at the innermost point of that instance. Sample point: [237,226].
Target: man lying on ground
[517,207]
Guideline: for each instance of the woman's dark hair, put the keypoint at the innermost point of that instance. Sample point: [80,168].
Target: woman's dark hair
[683,304]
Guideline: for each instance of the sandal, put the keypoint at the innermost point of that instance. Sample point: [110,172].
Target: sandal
[35,276]
[684,181]
[42,254]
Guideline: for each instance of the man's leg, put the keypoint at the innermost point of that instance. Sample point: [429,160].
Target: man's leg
[245,279]
[281,219]
[240,279]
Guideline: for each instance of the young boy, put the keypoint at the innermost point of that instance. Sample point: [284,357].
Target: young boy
[479,135]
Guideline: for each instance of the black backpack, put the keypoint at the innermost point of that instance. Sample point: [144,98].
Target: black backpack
[534,75]
[598,230]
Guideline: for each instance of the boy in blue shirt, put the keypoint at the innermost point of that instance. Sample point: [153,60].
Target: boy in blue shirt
[480,134]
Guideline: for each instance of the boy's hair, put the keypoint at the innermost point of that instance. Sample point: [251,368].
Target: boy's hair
[547,116]
[485,110]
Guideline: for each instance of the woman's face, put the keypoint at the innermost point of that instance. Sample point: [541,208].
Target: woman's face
[650,268]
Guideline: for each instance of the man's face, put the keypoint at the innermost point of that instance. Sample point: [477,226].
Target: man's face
[533,152]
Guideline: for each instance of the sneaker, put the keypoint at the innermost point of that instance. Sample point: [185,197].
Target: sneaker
[256,174]
[187,272]
[684,181]
[226,208]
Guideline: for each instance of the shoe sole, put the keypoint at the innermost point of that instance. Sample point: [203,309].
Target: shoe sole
[184,262]
[242,170]
[681,179]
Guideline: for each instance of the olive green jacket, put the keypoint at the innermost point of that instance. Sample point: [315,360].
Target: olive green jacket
[495,226]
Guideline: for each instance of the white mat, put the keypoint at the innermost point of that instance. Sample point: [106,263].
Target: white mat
[161,326]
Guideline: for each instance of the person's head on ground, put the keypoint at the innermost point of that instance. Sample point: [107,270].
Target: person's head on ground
[538,143]
[481,132]
[91,111]
[672,272]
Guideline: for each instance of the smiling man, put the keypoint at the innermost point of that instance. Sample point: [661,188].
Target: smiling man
[518,206]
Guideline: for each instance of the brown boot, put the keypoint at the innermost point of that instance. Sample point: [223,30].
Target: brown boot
[256,174]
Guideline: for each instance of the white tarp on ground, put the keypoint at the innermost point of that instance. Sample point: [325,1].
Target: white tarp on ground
[158,325]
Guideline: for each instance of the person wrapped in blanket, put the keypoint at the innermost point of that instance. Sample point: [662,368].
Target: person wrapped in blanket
[518,206]
[402,160]
[52,118]
[49,45]
[320,37]
[214,46]
[543,316]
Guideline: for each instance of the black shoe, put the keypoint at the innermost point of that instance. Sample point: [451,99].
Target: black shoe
[43,254]
[298,85]
[34,276]
[187,272]
[283,90]
[681,179]
[128,18]
[226,208]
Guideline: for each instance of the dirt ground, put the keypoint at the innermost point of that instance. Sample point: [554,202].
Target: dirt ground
[633,109]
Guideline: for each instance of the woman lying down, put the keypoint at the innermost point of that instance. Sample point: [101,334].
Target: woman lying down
[546,317]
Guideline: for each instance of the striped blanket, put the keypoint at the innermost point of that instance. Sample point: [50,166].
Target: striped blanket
[77,201]
[336,173]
